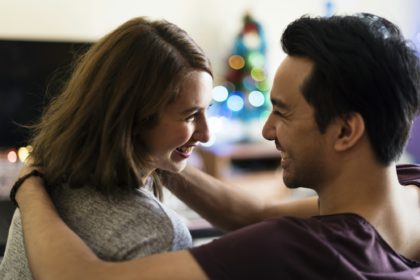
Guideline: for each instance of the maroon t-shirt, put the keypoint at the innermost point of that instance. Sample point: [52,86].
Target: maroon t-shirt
[341,246]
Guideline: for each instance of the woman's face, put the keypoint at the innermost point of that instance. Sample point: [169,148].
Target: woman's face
[182,125]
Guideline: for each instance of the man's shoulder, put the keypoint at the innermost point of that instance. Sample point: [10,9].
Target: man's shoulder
[287,233]
[289,236]
[270,249]
[320,227]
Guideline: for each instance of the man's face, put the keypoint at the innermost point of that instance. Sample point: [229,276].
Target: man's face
[291,125]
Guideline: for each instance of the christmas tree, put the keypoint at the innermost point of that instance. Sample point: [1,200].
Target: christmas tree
[243,96]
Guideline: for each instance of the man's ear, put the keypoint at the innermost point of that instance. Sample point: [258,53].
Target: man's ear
[351,129]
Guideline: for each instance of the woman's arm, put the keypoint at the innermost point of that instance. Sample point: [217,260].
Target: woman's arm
[56,252]
[228,207]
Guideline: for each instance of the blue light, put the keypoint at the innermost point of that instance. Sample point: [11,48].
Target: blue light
[219,93]
[235,103]
[329,8]
[256,98]
[249,83]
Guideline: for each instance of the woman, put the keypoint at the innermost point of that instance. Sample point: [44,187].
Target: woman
[135,103]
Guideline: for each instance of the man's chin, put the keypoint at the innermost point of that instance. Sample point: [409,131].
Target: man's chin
[290,181]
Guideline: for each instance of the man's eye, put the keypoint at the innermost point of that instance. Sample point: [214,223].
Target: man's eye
[278,113]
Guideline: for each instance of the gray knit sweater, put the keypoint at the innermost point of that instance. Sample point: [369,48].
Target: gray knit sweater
[115,229]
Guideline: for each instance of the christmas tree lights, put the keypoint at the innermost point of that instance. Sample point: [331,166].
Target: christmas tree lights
[242,99]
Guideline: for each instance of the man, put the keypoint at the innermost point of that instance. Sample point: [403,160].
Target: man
[343,100]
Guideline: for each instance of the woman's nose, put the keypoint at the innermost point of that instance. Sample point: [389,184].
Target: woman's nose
[202,133]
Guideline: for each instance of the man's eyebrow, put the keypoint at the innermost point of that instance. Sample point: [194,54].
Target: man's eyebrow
[280,104]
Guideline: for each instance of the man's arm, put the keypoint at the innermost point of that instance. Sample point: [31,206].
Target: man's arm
[228,207]
[56,252]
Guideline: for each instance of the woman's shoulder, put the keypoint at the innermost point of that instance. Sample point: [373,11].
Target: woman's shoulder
[125,226]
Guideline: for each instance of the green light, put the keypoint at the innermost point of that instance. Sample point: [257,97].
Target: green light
[256,59]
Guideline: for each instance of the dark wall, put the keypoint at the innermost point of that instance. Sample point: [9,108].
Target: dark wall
[27,70]
[6,212]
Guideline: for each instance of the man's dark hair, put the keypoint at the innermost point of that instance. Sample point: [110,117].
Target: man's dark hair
[362,64]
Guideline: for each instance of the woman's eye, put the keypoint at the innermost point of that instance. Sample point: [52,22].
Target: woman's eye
[191,117]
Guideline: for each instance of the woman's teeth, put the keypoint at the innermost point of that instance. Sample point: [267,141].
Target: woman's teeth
[185,150]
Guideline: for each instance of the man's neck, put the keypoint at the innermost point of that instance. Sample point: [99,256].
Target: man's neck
[362,190]
[374,193]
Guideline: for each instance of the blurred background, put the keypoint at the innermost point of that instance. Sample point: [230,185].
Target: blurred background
[39,38]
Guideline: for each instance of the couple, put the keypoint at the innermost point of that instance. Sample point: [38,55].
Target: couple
[344,100]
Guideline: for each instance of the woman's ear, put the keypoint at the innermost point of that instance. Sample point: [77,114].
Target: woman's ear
[350,130]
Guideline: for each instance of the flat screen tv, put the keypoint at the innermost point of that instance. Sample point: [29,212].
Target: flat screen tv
[31,72]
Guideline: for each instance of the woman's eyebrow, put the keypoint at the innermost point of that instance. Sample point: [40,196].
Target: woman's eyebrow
[190,110]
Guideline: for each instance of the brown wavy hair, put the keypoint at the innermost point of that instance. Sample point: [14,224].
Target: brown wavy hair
[90,134]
